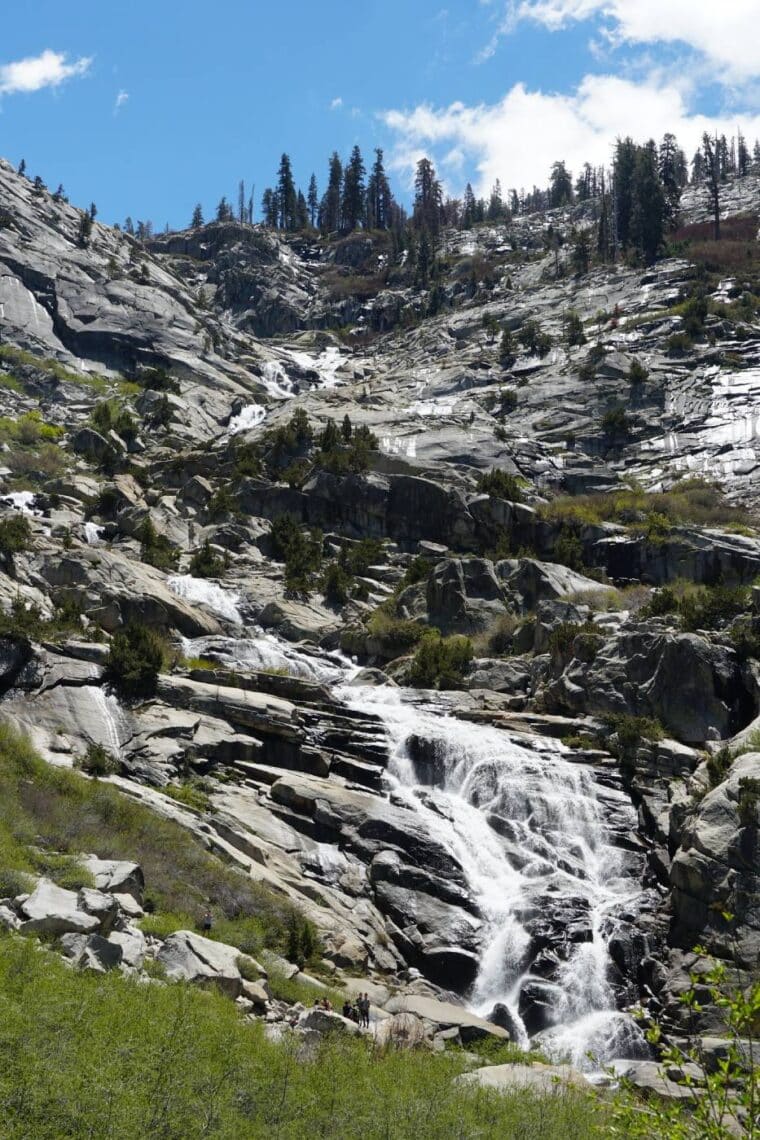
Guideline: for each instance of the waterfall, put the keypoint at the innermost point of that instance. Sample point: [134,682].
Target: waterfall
[199,591]
[527,827]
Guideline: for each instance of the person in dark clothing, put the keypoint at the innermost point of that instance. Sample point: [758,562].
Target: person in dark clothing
[208,922]
[347,1008]
[363,1004]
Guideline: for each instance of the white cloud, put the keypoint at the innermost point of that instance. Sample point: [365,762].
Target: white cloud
[49,69]
[726,35]
[121,99]
[336,104]
[518,138]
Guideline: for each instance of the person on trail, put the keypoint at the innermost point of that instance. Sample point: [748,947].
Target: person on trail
[347,1009]
[363,1004]
[208,922]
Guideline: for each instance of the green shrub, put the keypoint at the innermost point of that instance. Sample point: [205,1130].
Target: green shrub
[158,380]
[15,536]
[637,373]
[501,485]
[418,570]
[359,556]
[631,732]
[568,549]
[398,635]
[663,601]
[205,563]
[678,343]
[574,334]
[156,549]
[718,765]
[98,761]
[110,416]
[711,606]
[535,341]
[301,552]
[440,662]
[615,424]
[336,584]
[135,658]
[302,941]
[191,793]
[749,801]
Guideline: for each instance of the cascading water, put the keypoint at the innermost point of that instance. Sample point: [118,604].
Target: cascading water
[527,827]
[531,831]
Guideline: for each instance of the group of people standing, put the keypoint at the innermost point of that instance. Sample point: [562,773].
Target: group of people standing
[358,1011]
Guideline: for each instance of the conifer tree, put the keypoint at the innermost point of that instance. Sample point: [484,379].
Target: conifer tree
[379,197]
[312,201]
[712,162]
[223,211]
[287,200]
[496,209]
[269,208]
[427,197]
[197,218]
[354,190]
[468,208]
[673,176]
[241,201]
[329,214]
[561,185]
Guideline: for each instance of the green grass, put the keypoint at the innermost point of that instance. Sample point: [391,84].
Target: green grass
[110,1059]
[690,502]
[54,367]
[48,816]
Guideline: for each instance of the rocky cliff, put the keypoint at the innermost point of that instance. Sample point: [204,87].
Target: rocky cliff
[559,470]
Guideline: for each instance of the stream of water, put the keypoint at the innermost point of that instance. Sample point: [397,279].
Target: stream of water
[528,826]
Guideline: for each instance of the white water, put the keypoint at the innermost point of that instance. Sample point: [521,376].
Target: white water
[276,380]
[110,717]
[201,592]
[22,501]
[248,417]
[93,533]
[552,848]
[526,825]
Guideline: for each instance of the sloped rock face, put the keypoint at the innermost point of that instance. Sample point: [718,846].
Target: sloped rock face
[189,957]
[716,870]
[696,689]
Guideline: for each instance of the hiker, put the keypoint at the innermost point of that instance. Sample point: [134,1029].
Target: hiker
[347,1009]
[363,1003]
[207,923]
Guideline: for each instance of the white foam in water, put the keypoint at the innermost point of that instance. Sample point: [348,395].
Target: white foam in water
[93,533]
[22,501]
[326,365]
[248,417]
[199,591]
[550,810]
[276,380]
[110,717]
[263,651]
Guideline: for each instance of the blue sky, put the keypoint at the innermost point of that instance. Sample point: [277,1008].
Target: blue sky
[146,108]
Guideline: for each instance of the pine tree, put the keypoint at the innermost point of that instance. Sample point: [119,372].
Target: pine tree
[287,200]
[697,168]
[468,208]
[560,185]
[223,211]
[312,201]
[197,219]
[354,190]
[379,197]
[742,156]
[673,176]
[93,211]
[22,168]
[241,201]
[302,212]
[60,194]
[269,208]
[427,197]
[329,213]
[650,207]
[624,164]
[711,152]
[496,208]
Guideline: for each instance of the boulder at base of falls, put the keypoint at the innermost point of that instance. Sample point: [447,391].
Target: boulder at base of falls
[446,1015]
[716,869]
[539,1079]
[191,958]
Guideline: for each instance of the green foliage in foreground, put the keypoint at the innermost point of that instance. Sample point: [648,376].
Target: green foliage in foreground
[135,658]
[440,662]
[48,816]
[106,1058]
